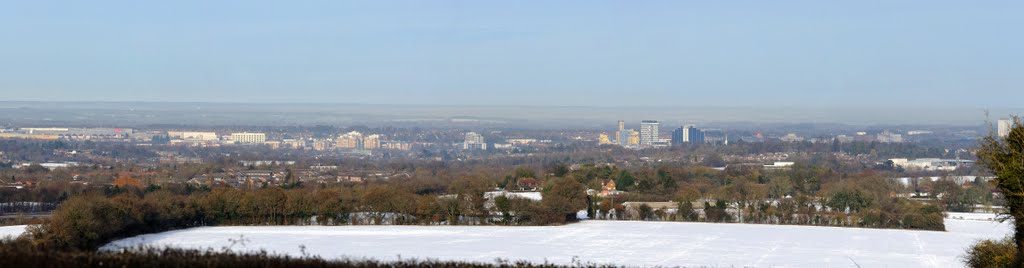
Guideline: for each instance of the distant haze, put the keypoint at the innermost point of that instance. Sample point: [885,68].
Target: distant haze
[281,114]
[856,61]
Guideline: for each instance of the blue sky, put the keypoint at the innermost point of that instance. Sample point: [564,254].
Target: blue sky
[577,53]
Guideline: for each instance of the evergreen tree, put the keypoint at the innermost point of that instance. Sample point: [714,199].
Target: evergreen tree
[1005,158]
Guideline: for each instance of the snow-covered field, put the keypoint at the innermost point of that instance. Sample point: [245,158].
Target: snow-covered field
[617,242]
[972,216]
[7,232]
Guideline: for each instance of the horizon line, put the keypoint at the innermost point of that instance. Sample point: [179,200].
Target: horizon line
[781,107]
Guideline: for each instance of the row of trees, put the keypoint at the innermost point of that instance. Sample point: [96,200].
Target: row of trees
[88,220]
[804,195]
[895,213]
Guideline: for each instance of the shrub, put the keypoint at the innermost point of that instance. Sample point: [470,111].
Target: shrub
[991,253]
[20,254]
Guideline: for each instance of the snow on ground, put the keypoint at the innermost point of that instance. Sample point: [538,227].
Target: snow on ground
[527,195]
[8,232]
[617,242]
[972,216]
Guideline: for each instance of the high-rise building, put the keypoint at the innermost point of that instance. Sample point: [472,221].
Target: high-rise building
[621,135]
[371,142]
[351,140]
[634,138]
[602,139]
[474,141]
[1004,126]
[246,137]
[690,134]
[677,136]
[648,132]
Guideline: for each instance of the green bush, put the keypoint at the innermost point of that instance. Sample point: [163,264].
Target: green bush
[991,254]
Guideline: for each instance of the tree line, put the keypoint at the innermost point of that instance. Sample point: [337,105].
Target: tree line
[88,220]
[803,195]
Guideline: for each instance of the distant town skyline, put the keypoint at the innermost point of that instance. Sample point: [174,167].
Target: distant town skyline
[571,53]
[107,113]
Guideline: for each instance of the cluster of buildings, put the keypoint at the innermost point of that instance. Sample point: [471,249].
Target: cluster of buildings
[54,133]
[690,134]
[930,164]
[889,137]
[474,141]
[356,140]
[350,142]
[623,137]
[646,137]
[261,173]
[353,140]
[193,136]
[883,137]
[197,137]
[649,136]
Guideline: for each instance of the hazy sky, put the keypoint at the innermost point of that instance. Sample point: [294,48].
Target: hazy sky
[586,53]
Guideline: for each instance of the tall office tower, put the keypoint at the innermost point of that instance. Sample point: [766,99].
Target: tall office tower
[686,133]
[690,134]
[648,132]
[474,141]
[621,135]
[1004,126]
[687,130]
[677,136]
[371,142]
[351,140]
